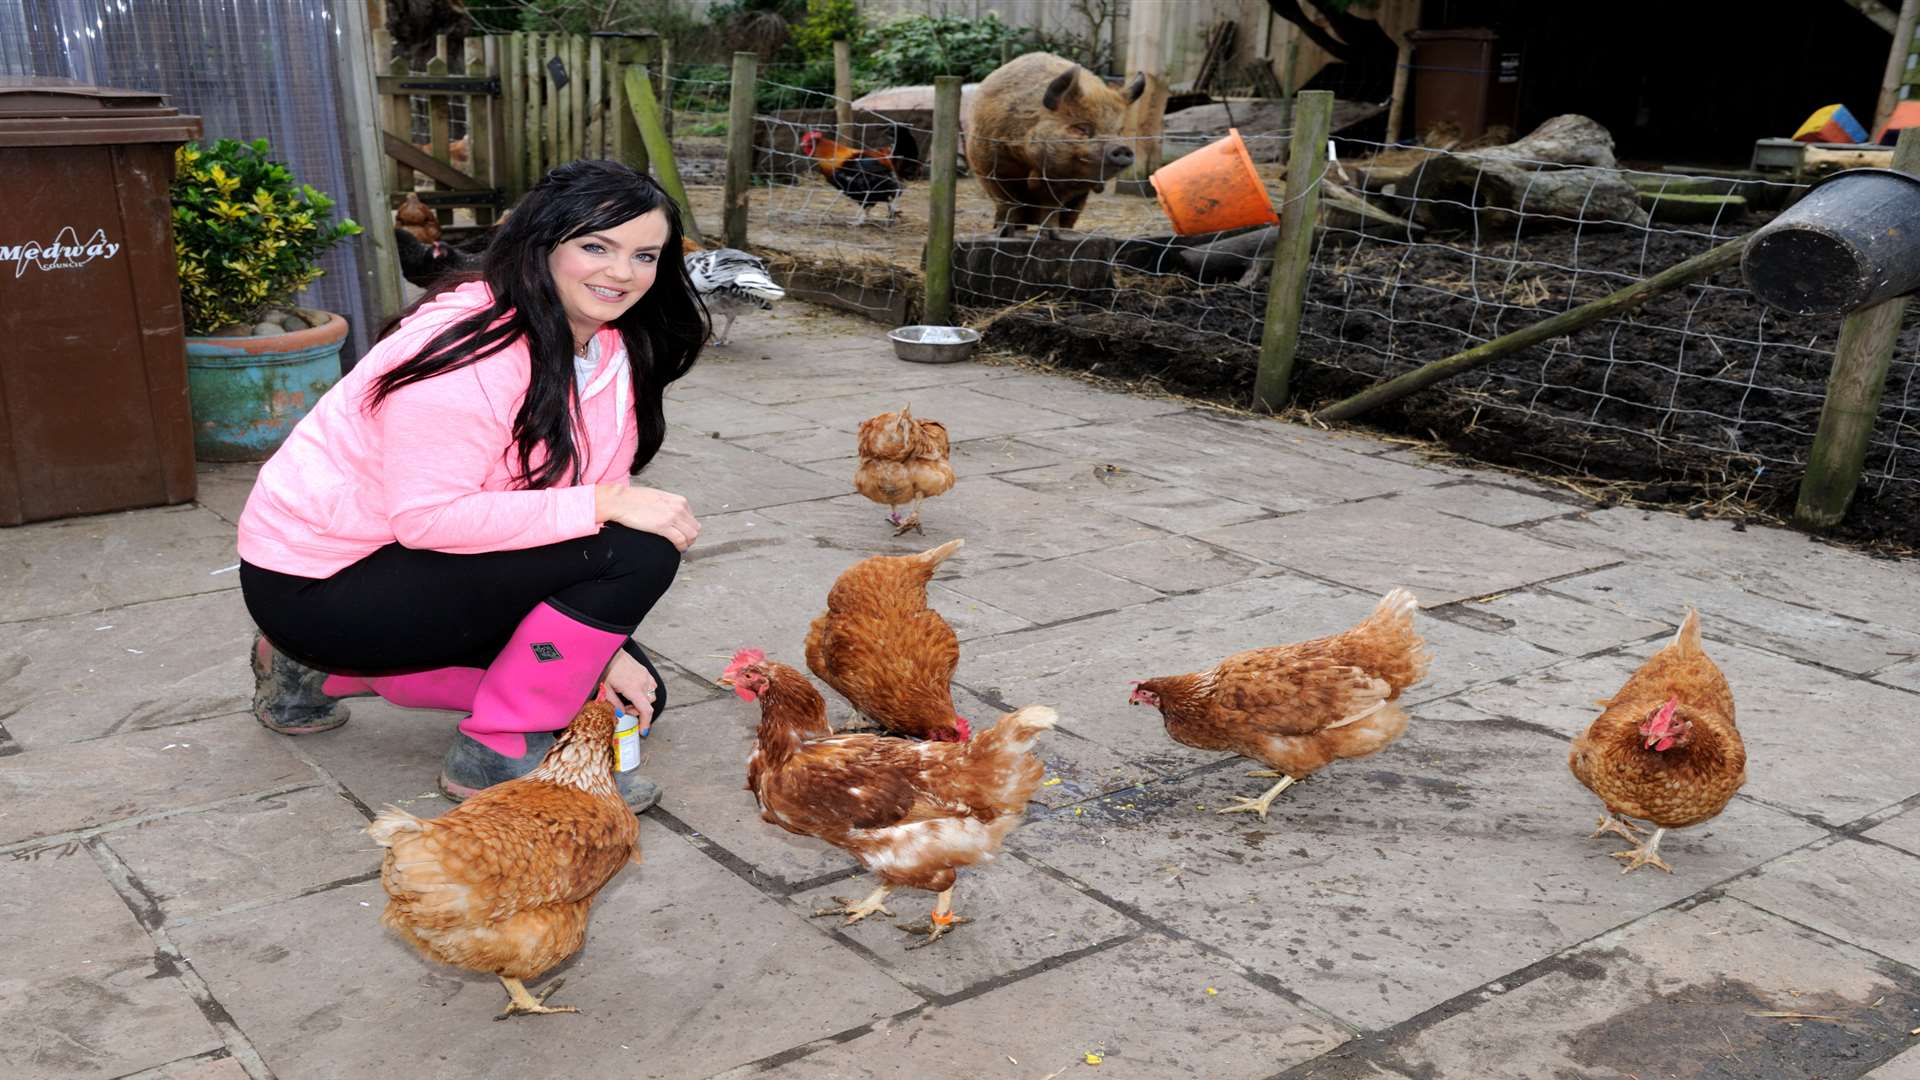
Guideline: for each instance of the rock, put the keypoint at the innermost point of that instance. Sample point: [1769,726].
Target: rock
[268,329]
[313,316]
[1562,174]
[233,330]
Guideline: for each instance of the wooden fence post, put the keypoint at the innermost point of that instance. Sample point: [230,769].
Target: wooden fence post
[576,97]
[739,150]
[666,86]
[512,72]
[440,120]
[646,114]
[1859,376]
[942,167]
[1402,68]
[628,146]
[484,141]
[1287,293]
[596,136]
[843,90]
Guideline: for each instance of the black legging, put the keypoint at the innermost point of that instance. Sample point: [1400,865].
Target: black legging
[400,609]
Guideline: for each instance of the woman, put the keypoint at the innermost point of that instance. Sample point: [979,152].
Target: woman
[453,527]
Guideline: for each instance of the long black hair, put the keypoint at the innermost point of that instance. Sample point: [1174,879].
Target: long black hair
[663,330]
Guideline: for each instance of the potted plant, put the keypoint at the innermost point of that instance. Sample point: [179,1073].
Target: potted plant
[246,238]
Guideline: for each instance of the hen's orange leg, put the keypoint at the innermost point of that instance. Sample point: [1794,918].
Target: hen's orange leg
[912,522]
[938,923]
[855,912]
[1610,824]
[520,1002]
[1259,805]
[1647,854]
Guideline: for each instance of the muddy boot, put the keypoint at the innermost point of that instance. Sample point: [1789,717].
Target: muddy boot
[290,697]
[471,767]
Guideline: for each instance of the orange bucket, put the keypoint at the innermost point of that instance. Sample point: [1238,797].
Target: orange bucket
[1213,189]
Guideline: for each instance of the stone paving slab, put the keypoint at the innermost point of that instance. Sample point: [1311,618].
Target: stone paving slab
[1838,777]
[1549,620]
[107,560]
[1862,894]
[1904,675]
[1073,397]
[1142,1006]
[961,408]
[69,678]
[141,772]
[1902,832]
[1779,563]
[83,992]
[223,488]
[1441,558]
[1170,507]
[1673,995]
[1174,564]
[721,477]
[1053,591]
[1729,611]
[1021,918]
[246,851]
[1003,524]
[1365,891]
[968,617]
[715,414]
[209,1066]
[1486,503]
[1904,1067]
[361,1003]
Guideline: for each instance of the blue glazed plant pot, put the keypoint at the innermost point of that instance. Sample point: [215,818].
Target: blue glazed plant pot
[248,392]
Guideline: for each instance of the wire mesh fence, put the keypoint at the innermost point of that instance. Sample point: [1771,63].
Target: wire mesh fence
[1419,254]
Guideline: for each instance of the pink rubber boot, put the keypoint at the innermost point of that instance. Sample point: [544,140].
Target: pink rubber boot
[441,688]
[536,685]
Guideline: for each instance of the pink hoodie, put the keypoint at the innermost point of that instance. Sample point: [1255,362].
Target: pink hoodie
[432,468]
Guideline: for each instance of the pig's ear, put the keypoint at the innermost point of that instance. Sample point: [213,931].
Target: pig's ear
[1063,86]
[1135,88]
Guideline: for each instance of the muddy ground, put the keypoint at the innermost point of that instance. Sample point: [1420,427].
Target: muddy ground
[1703,397]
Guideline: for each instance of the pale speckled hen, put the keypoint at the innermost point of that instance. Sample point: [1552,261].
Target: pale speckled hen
[503,882]
[1298,707]
[913,813]
[1665,748]
[903,460]
[889,654]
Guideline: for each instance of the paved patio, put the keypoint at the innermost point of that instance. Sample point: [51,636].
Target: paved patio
[190,896]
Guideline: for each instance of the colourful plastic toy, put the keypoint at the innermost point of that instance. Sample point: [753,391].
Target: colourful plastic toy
[1832,124]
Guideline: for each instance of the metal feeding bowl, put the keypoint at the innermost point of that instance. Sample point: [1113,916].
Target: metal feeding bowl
[933,344]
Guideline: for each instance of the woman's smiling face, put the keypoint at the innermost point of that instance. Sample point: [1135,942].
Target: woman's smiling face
[599,275]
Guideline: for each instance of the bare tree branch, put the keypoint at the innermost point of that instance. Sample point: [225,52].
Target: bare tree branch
[1872,9]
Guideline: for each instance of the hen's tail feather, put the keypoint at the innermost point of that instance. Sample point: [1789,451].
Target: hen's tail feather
[1016,731]
[935,556]
[906,153]
[1687,638]
[393,823]
[1393,617]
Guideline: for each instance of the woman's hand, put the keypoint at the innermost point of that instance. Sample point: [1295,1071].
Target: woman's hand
[630,686]
[649,510]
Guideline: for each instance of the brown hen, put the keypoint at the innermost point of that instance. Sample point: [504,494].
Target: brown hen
[503,882]
[1298,707]
[913,813]
[885,651]
[902,460]
[418,219]
[1665,748]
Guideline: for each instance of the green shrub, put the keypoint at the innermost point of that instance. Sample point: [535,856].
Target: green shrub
[910,51]
[245,236]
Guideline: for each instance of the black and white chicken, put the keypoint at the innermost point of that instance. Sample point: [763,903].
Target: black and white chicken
[731,281]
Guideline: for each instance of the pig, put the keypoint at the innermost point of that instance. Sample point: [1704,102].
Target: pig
[1043,133]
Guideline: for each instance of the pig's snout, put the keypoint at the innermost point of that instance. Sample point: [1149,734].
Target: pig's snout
[1119,158]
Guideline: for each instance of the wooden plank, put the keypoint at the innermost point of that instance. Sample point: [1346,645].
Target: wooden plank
[440,121]
[1402,66]
[596,146]
[533,125]
[739,151]
[943,170]
[400,123]
[666,85]
[482,158]
[380,271]
[445,175]
[1287,292]
[1616,303]
[512,103]
[843,89]
[646,114]
[1854,387]
[576,97]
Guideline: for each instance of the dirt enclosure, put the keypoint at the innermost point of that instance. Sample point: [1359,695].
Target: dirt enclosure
[1703,398]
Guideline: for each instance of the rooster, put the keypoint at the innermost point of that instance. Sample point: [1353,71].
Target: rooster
[903,460]
[502,883]
[866,176]
[1665,749]
[730,281]
[889,654]
[912,813]
[1298,707]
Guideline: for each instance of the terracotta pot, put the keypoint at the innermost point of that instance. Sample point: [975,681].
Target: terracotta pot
[248,392]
